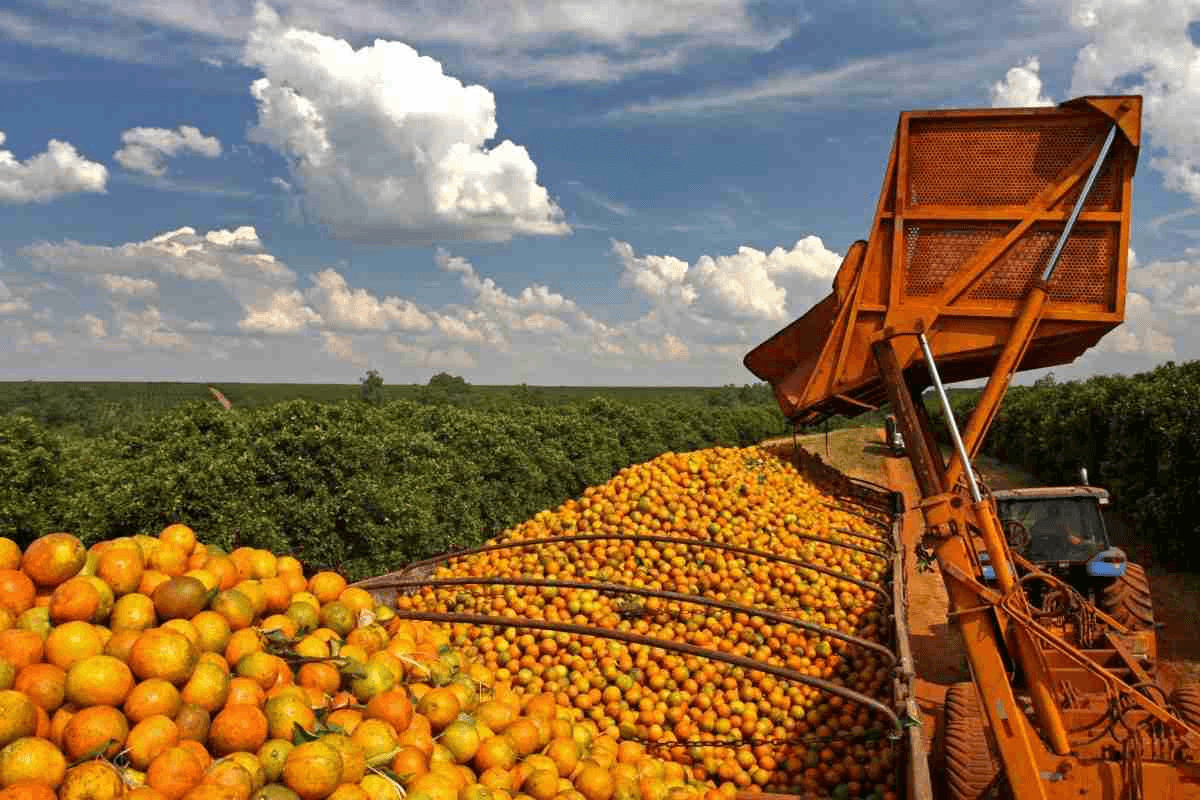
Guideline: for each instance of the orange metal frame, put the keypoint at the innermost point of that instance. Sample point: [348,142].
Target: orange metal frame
[972,208]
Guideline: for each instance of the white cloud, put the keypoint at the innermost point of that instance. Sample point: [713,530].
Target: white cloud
[546,41]
[93,326]
[284,312]
[127,286]
[1021,88]
[148,329]
[449,358]
[1135,48]
[669,348]
[387,148]
[14,305]
[750,283]
[342,348]
[1141,333]
[230,257]
[59,170]
[358,309]
[146,150]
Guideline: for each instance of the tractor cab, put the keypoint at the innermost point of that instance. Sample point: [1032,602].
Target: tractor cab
[1061,530]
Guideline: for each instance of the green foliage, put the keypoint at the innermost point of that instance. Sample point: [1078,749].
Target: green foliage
[372,388]
[354,486]
[1138,436]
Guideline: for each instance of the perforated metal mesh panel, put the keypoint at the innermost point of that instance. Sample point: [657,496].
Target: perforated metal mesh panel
[1085,273]
[978,162]
[934,252]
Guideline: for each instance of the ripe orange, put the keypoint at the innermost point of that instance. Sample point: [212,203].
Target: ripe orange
[98,681]
[32,760]
[150,738]
[231,776]
[94,780]
[10,554]
[95,730]
[180,536]
[235,607]
[17,591]
[21,647]
[312,770]
[151,698]
[238,727]
[194,722]
[121,568]
[75,599]
[286,711]
[326,586]
[440,706]
[169,559]
[132,612]
[166,654]
[28,790]
[272,756]
[213,630]
[45,685]
[71,642]
[208,687]
[53,558]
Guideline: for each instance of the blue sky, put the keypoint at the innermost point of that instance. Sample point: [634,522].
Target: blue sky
[600,192]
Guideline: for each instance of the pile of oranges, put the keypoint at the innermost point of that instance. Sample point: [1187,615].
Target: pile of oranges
[159,668]
[725,723]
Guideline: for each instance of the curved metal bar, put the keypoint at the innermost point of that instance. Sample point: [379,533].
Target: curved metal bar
[680,540]
[618,588]
[887,543]
[808,537]
[883,525]
[661,644]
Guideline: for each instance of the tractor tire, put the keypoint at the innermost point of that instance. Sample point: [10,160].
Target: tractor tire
[971,766]
[1186,700]
[1128,599]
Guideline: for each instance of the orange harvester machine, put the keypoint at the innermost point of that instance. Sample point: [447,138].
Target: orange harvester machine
[999,243]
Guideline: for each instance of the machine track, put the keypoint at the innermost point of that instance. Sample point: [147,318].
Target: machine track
[1128,599]
[971,765]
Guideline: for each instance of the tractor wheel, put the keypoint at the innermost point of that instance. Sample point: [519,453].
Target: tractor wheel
[1127,599]
[971,767]
[1186,700]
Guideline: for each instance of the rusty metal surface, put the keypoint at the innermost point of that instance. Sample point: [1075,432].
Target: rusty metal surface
[971,207]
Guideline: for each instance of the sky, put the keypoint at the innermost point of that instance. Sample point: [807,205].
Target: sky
[570,192]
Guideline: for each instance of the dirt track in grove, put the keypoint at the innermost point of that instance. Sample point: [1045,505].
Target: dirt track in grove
[937,648]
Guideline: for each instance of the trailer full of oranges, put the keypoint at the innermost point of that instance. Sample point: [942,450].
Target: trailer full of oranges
[158,668]
[647,529]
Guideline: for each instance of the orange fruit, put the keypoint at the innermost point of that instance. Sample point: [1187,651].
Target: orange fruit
[120,644]
[151,580]
[166,654]
[121,568]
[440,706]
[180,597]
[44,684]
[28,790]
[326,586]
[354,763]
[32,760]
[260,667]
[94,780]
[495,752]
[98,681]
[238,727]
[193,722]
[235,607]
[17,591]
[150,738]
[75,599]
[132,612]
[53,558]
[213,631]
[349,791]
[179,535]
[322,676]
[312,770]
[410,763]
[21,647]
[144,793]
[198,750]
[208,687]
[245,691]
[95,730]
[285,712]
[272,755]
[231,776]
[151,698]
[169,559]
[71,642]
[10,554]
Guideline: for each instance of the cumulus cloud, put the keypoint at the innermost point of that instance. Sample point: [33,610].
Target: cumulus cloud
[385,147]
[148,328]
[341,347]
[59,170]
[358,309]
[750,283]
[284,312]
[125,285]
[146,150]
[92,326]
[1021,88]
[1136,49]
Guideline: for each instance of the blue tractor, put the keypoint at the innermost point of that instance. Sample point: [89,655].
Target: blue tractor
[1061,531]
